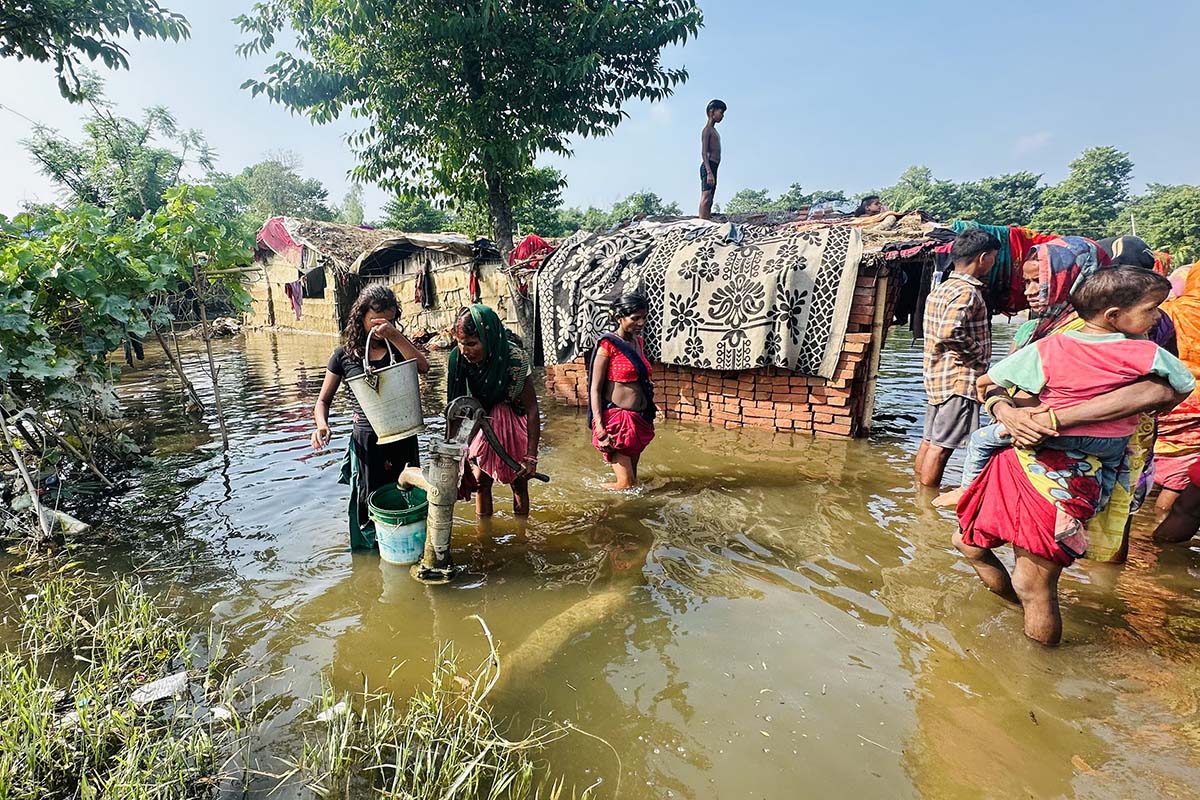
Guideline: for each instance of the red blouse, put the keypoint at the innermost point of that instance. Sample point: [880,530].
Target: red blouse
[620,368]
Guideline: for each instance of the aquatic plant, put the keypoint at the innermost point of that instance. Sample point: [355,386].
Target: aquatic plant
[443,744]
[104,696]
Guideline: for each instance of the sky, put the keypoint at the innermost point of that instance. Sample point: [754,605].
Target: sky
[836,96]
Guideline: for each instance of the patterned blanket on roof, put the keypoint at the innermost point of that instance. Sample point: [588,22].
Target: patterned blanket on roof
[723,297]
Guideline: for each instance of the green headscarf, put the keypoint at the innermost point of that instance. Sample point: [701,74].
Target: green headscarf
[501,375]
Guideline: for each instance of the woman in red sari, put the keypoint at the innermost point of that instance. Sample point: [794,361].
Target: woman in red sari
[620,395]
[1017,497]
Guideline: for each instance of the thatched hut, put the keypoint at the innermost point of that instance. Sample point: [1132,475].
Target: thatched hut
[311,272]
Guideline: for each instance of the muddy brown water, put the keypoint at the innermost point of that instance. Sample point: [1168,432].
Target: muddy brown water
[774,616]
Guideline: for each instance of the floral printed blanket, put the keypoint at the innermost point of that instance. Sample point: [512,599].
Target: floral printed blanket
[736,299]
[731,297]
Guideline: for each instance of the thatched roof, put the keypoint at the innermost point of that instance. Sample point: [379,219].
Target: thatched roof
[349,247]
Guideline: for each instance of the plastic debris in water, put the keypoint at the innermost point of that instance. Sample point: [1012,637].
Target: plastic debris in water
[221,714]
[163,687]
[337,711]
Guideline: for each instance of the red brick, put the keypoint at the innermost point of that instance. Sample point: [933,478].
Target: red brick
[822,418]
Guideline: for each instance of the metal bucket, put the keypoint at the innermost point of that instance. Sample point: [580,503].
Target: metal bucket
[390,397]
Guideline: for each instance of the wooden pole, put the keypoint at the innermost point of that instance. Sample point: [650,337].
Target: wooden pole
[878,330]
[212,364]
[30,486]
[189,391]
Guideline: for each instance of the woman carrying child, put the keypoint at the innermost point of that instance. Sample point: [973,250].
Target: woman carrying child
[367,465]
[491,365]
[1022,495]
[620,395]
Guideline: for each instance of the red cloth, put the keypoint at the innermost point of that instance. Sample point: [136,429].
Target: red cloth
[620,368]
[273,236]
[513,432]
[1174,472]
[531,246]
[1002,506]
[628,433]
[1020,242]
[1194,474]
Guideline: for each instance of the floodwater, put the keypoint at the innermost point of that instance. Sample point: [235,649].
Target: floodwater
[770,616]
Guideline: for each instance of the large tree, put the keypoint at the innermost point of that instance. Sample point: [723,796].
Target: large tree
[1168,217]
[1092,196]
[61,31]
[121,164]
[460,97]
[277,189]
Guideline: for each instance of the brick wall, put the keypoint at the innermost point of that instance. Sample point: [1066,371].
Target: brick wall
[769,398]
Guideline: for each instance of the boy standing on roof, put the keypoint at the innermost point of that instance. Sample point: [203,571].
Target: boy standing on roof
[958,349]
[710,157]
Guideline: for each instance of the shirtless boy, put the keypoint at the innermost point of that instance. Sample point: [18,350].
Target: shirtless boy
[710,157]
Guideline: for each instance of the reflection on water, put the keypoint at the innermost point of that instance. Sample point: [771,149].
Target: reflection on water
[768,616]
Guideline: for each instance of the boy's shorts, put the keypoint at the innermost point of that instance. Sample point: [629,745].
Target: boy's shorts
[950,424]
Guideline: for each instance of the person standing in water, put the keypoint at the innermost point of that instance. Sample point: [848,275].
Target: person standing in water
[710,157]
[620,395]
[958,348]
[367,465]
[491,365]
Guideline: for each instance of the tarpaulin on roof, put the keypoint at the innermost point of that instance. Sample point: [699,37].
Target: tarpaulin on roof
[274,236]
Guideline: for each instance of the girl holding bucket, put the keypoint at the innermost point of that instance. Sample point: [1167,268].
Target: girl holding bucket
[491,365]
[368,465]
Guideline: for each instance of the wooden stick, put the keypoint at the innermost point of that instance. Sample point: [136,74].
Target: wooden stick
[189,391]
[877,335]
[212,364]
[29,485]
[45,425]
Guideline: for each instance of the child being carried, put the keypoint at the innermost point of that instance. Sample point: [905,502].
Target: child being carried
[1118,306]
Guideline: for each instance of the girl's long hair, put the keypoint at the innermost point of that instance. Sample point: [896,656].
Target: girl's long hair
[376,298]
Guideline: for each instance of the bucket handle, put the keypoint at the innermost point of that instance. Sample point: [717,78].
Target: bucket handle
[394,356]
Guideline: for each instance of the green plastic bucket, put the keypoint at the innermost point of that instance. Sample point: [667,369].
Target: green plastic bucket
[399,516]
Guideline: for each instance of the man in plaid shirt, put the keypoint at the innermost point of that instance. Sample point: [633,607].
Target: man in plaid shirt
[958,349]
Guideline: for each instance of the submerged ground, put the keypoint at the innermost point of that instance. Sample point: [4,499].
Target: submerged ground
[778,617]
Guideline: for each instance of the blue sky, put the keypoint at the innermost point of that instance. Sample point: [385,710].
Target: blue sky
[839,95]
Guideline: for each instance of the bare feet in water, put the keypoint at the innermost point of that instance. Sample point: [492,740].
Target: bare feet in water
[948,499]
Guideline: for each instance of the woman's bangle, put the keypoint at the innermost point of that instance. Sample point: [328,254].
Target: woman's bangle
[1053,419]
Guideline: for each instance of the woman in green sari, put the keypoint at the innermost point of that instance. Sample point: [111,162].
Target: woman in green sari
[491,365]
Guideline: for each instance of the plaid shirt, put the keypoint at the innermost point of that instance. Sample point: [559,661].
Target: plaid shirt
[958,338]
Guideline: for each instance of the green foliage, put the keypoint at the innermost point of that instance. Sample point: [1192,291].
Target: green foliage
[350,212]
[1168,217]
[120,164]
[414,215]
[460,99]
[276,189]
[75,283]
[1091,198]
[640,204]
[60,31]
[749,201]
[1010,199]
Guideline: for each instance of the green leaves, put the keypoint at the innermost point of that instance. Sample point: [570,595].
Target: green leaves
[62,30]
[459,101]
[78,281]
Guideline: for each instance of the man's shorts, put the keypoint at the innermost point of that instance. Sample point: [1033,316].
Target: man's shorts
[950,424]
[705,186]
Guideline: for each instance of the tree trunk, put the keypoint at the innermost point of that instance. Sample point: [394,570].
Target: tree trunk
[500,209]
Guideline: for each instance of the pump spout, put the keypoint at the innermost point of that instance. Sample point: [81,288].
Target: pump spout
[413,477]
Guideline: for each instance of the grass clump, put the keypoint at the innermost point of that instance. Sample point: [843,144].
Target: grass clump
[69,723]
[443,744]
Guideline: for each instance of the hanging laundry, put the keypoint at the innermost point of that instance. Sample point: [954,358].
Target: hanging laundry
[314,283]
[295,295]
[473,284]
[424,292]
